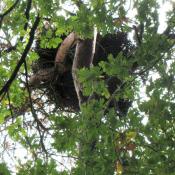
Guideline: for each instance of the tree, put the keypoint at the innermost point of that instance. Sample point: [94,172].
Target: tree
[71,79]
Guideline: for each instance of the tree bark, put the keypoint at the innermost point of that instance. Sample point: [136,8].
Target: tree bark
[83,55]
[68,42]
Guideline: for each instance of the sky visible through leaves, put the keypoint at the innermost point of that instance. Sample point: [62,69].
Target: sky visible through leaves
[20,154]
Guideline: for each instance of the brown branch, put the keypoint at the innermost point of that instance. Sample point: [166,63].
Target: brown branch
[47,74]
[68,42]
[83,56]
[64,48]
[3,46]
[7,85]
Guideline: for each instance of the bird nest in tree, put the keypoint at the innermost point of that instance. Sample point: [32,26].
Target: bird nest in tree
[59,88]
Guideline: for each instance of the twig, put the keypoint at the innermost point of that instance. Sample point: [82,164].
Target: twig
[30,98]
[38,122]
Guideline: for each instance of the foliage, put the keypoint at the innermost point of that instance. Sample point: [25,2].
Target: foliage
[97,139]
[38,168]
[3,169]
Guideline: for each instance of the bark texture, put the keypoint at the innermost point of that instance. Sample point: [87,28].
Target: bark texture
[83,58]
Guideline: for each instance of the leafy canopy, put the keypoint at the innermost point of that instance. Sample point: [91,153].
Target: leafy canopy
[96,140]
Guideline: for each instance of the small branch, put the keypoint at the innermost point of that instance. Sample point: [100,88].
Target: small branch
[7,85]
[167,31]
[7,12]
[18,111]
[41,135]
[127,84]
[38,122]
[139,33]
[27,13]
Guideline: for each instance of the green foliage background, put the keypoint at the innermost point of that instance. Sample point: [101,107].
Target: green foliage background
[100,142]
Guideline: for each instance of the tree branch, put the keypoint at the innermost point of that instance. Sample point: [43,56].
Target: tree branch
[27,13]
[64,48]
[7,12]
[47,74]
[7,85]
[84,55]
[83,58]
[18,111]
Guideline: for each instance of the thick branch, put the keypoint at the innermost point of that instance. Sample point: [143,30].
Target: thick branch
[84,55]
[7,85]
[64,48]
[83,58]
[47,74]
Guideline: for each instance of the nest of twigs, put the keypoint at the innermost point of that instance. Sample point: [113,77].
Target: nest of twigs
[60,88]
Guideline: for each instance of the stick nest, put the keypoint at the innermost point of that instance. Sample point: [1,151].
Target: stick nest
[60,88]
